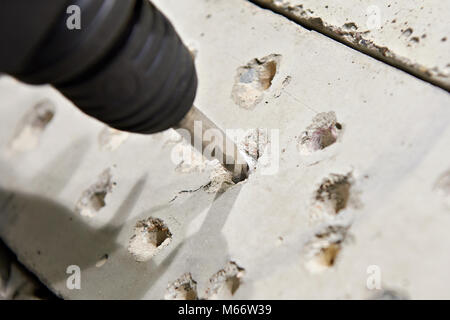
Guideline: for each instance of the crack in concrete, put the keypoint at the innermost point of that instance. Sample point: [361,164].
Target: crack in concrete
[348,36]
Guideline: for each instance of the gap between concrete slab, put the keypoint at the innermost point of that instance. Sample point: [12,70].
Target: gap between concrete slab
[369,48]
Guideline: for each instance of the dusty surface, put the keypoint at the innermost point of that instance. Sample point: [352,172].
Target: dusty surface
[413,35]
[394,142]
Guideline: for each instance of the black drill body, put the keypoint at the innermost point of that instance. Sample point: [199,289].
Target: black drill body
[126,66]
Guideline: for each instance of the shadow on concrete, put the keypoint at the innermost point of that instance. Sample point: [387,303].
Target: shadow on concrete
[205,251]
[52,237]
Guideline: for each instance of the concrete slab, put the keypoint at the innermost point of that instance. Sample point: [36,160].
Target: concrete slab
[352,204]
[412,35]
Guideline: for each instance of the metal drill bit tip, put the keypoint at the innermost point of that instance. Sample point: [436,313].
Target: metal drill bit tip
[202,131]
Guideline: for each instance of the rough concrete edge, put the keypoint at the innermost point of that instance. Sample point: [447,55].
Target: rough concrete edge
[355,40]
[30,275]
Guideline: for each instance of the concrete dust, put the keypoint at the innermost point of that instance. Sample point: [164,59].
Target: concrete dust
[92,199]
[225,282]
[150,237]
[184,288]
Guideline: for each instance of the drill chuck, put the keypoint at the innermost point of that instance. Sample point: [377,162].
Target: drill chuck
[126,66]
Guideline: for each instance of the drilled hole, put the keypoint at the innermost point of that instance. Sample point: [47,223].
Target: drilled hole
[150,236]
[184,288]
[334,193]
[225,283]
[253,79]
[322,133]
[92,200]
[32,126]
[323,249]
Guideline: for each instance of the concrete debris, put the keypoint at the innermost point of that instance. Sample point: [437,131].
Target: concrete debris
[150,237]
[184,288]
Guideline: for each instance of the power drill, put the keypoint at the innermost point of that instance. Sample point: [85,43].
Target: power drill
[124,64]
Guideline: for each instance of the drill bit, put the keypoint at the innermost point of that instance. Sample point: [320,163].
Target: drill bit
[226,151]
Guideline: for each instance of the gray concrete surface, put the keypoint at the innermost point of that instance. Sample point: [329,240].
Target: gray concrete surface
[412,35]
[357,193]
